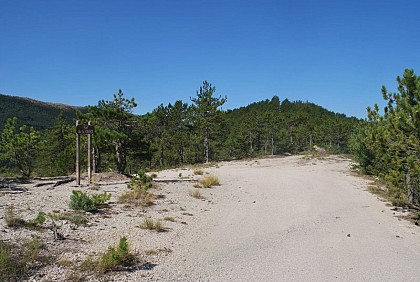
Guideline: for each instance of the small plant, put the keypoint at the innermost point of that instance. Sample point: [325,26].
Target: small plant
[74,218]
[180,175]
[198,172]
[115,257]
[150,224]
[209,181]
[81,201]
[39,220]
[138,197]
[12,219]
[195,194]
[197,185]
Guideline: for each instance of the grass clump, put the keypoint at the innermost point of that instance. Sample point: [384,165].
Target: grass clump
[16,261]
[74,218]
[82,201]
[151,224]
[139,194]
[209,181]
[116,257]
[138,197]
[13,220]
[198,172]
[195,194]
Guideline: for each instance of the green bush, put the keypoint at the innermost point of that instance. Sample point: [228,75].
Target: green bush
[116,257]
[82,201]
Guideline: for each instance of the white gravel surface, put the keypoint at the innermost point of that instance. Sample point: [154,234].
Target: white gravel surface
[277,219]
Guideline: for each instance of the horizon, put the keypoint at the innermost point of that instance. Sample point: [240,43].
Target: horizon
[335,55]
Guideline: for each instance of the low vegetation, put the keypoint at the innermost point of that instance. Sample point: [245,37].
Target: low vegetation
[14,220]
[195,194]
[116,257]
[81,201]
[151,224]
[72,217]
[209,181]
[17,261]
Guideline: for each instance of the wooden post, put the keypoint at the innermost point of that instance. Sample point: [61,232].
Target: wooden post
[77,156]
[89,156]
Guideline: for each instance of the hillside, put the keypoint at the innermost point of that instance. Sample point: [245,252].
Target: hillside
[35,113]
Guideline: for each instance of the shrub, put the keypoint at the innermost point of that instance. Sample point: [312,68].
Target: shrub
[115,257]
[198,172]
[209,181]
[81,201]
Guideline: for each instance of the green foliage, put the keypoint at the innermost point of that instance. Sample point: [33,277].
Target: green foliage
[206,112]
[13,219]
[57,151]
[82,201]
[19,145]
[33,113]
[388,144]
[115,257]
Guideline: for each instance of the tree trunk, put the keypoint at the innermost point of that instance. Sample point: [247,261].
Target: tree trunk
[206,143]
[119,152]
[410,186]
[272,145]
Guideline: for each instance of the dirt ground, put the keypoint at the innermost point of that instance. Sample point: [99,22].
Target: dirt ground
[274,219]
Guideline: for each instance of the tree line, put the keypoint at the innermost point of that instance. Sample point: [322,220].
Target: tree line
[387,143]
[174,134]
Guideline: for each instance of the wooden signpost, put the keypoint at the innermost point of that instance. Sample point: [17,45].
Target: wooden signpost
[89,130]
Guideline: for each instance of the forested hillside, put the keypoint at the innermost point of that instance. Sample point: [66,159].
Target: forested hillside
[39,115]
[179,133]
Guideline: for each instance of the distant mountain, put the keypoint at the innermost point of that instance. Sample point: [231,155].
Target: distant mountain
[40,115]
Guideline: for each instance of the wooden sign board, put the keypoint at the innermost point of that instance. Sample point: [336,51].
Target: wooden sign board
[85,129]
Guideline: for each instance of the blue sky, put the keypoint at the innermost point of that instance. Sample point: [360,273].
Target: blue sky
[336,54]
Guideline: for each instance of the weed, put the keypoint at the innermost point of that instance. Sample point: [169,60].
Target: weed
[209,181]
[195,194]
[150,224]
[115,257]
[197,185]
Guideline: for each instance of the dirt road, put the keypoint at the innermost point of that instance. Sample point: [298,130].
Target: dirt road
[294,219]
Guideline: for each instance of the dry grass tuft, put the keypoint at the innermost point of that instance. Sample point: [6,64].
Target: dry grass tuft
[210,181]
[195,194]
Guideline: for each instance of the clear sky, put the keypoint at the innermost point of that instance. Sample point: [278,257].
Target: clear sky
[335,53]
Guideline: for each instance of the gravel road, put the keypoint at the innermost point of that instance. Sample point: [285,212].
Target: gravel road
[294,219]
